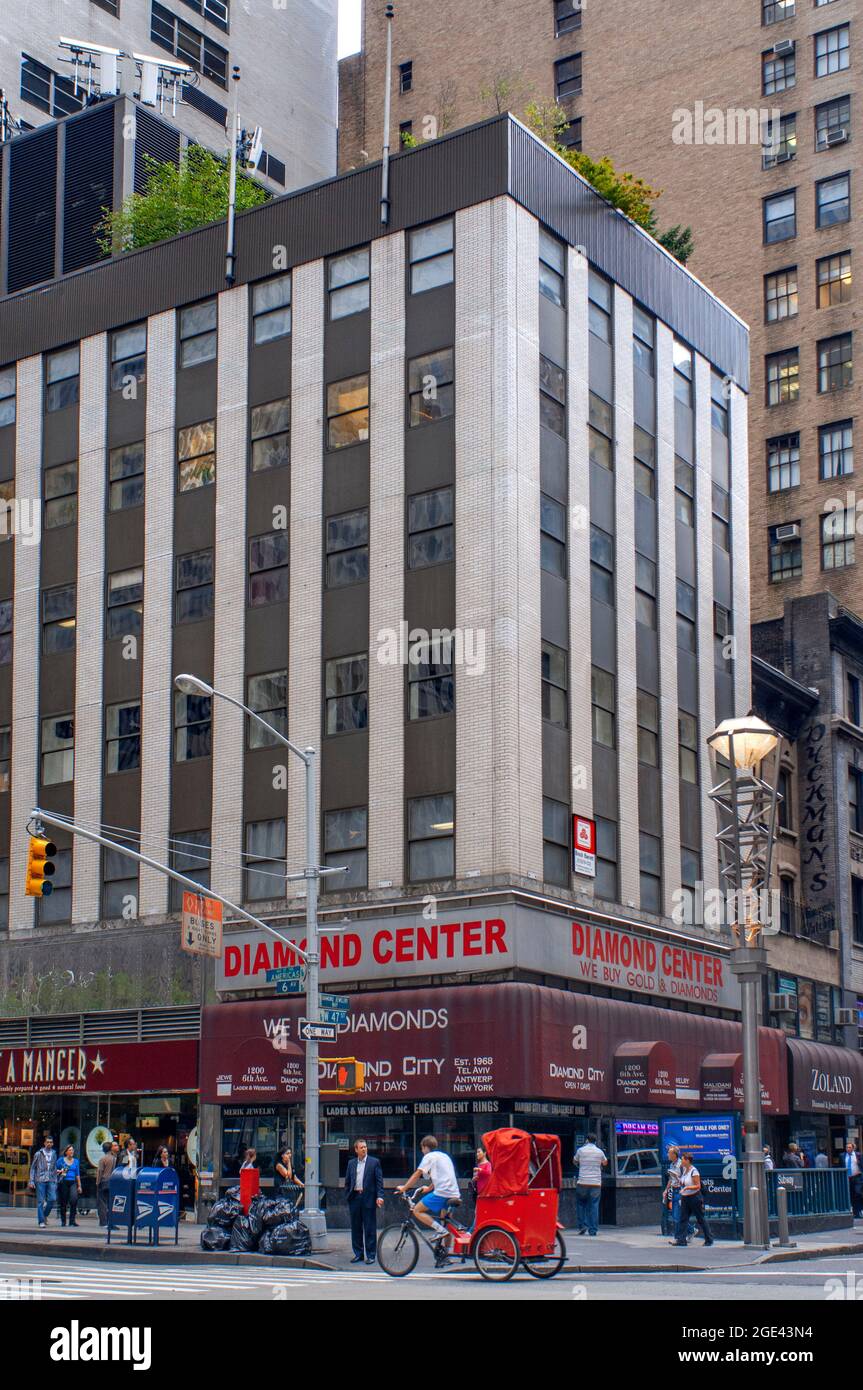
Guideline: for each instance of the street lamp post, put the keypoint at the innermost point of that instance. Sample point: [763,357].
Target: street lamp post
[746,814]
[314,1218]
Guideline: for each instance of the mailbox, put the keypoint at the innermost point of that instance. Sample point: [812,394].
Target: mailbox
[157,1203]
[121,1203]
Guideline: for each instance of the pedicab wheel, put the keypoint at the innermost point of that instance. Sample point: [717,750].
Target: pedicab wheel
[398,1250]
[546,1266]
[496,1253]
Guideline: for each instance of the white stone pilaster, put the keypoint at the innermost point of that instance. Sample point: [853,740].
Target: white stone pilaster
[705,625]
[739,444]
[667,596]
[578,409]
[624,565]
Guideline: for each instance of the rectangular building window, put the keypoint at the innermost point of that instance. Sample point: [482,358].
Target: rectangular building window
[780,216]
[599,306]
[266,847]
[431,256]
[346,847]
[832,50]
[599,433]
[4,893]
[683,373]
[721,502]
[268,568]
[785,807]
[196,455]
[194,598]
[61,495]
[552,538]
[8,389]
[837,539]
[643,340]
[128,357]
[780,141]
[603,707]
[601,566]
[836,449]
[690,875]
[645,591]
[188,44]
[552,397]
[778,71]
[835,363]
[430,528]
[555,842]
[783,462]
[832,123]
[123,736]
[193,726]
[346,688]
[6,608]
[431,837]
[772,11]
[348,412]
[126,477]
[855,800]
[267,695]
[570,136]
[722,630]
[431,393]
[552,268]
[58,750]
[58,619]
[271,309]
[270,432]
[857,911]
[785,552]
[687,747]
[347,549]
[834,280]
[555,684]
[650,875]
[605,883]
[406,77]
[62,378]
[119,883]
[686,616]
[431,684]
[190,855]
[198,333]
[58,907]
[644,448]
[648,728]
[854,699]
[833,200]
[780,295]
[782,376]
[348,283]
[5,757]
[684,491]
[125,615]
[46,89]
[567,77]
[567,16]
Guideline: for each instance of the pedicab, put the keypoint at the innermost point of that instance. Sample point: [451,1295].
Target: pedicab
[516,1216]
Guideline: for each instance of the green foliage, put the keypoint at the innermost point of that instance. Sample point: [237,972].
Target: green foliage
[632,195]
[176,198]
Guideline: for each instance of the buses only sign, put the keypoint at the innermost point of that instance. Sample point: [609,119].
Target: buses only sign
[201,931]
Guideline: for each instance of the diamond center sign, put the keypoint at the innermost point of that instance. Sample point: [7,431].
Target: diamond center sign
[201,930]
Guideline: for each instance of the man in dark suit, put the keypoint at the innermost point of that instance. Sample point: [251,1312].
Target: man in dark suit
[364,1187]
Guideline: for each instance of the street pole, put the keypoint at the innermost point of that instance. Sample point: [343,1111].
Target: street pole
[230,254]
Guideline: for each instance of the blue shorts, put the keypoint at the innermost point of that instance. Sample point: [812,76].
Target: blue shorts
[434,1203]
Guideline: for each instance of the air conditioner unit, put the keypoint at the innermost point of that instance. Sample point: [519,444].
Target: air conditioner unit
[784,156]
[790,532]
[837,135]
[783,47]
[783,1003]
[845,1017]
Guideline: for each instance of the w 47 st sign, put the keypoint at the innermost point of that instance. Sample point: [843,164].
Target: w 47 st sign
[201,932]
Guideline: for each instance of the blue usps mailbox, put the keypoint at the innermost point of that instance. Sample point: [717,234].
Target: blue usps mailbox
[121,1204]
[157,1203]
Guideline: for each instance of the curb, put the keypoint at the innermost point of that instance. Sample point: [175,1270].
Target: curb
[160,1255]
[787,1255]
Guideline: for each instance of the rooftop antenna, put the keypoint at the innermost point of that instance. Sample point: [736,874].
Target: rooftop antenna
[159,73]
[389,11]
[9,126]
[88,56]
[234,138]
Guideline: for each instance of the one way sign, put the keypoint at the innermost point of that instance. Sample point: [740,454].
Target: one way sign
[317,1032]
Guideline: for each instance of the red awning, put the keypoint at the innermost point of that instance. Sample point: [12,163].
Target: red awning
[825,1079]
[722,1078]
[644,1071]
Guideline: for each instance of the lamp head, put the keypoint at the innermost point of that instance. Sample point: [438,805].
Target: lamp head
[192,685]
[747,741]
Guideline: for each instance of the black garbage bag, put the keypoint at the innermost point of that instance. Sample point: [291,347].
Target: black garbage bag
[265,1244]
[233,1192]
[224,1213]
[290,1240]
[276,1212]
[243,1237]
[257,1207]
[215,1238]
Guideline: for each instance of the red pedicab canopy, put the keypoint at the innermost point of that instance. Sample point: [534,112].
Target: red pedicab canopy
[521,1161]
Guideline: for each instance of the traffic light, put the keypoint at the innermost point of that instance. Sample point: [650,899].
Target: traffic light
[350,1076]
[40,867]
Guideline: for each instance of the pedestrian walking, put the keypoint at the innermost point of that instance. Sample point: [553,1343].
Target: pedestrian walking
[671,1193]
[590,1161]
[768,1159]
[791,1157]
[364,1188]
[68,1185]
[107,1164]
[129,1160]
[855,1178]
[288,1185]
[163,1158]
[691,1202]
[43,1179]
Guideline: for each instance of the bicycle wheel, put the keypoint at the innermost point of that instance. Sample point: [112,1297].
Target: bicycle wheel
[398,1250]
[546,1266]
[496,1253]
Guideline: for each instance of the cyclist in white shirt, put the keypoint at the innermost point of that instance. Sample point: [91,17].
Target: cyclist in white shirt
[437,1173]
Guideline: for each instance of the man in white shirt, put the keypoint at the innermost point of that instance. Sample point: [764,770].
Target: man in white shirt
[437,1172]
[854,1170]
[590,1161]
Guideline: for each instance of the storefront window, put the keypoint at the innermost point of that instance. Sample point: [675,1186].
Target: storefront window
[259,1127]
[636,1148]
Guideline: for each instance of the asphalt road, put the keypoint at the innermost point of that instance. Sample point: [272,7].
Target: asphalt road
[53,1279]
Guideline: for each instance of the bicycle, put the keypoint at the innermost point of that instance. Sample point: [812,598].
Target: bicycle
[495,1251]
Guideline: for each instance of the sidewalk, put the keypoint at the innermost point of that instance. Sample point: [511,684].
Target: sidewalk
[614,1251]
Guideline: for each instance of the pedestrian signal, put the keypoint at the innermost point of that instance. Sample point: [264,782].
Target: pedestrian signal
[348,1077]
[40,867]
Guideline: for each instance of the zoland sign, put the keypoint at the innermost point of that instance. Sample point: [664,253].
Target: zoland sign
[825,1078]
[543,942]
[461,1042]
[137,1067]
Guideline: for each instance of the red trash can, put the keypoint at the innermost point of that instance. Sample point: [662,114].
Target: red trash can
[250,1186]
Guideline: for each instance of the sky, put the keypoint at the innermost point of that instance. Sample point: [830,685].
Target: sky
[349,26]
